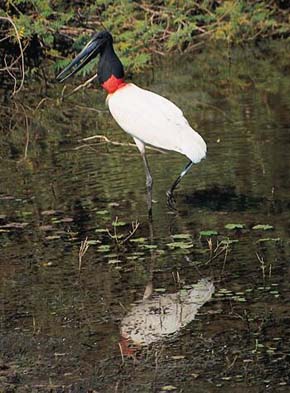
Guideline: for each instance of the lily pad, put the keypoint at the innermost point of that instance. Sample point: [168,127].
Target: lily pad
[25,214]
[150,246]
[14,225]
[208,233]
[92,242]
[168,388]
[113,204]
[66,219]
[50,212]
[226,242]
[178,357]
[232,227]
[52,237]
[104,248]
[119,223]
[56,220]
[182,245]
[114,261]
[160,290]
[181,236]
[262,227]
[138,240]
[269,239]
[46,227]
[102,212]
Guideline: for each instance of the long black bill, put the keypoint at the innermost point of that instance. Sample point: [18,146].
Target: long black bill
[84,57]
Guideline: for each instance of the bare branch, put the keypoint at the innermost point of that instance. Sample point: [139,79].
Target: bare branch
[83,85]
[16,90]
[107,140]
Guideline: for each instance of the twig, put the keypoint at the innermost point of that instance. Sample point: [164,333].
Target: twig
[116,237]
[40,103]
[15,61]
[135,226]
[83,85]
[83,249]
[27,134]
[88,108]
[217,254]
[263,265]
[107,140]
[8,19]
[8,69]
[121,352]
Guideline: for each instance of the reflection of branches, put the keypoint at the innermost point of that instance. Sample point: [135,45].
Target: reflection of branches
[116,237]
[83,249]
[18,116]
[27,135]
[9,68]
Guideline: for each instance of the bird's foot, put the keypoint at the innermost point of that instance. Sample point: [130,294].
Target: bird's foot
[170,200]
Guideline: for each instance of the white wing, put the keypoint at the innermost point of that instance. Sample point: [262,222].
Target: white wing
[156,121]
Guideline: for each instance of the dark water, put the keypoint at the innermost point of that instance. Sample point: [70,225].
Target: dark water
[61,317]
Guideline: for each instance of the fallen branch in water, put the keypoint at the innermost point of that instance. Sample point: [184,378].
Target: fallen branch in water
[105,139]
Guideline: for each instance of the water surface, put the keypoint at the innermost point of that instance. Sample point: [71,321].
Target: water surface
[61,316]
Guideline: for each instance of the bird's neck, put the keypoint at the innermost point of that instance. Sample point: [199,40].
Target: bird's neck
[113,84]
[110,70]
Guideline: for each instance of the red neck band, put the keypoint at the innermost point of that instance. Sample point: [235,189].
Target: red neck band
[113,84]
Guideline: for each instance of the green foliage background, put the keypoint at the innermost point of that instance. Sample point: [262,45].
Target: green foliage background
[143,28]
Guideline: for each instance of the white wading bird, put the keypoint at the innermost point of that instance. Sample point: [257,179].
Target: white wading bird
[149,118]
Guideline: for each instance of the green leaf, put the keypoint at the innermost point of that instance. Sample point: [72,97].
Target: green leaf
[208,233]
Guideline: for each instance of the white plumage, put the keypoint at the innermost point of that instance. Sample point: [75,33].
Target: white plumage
[152,119]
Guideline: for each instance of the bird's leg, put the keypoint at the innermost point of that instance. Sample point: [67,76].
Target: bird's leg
[149,184]
[170,197]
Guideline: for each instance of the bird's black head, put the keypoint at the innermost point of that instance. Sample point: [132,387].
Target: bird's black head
[96,45]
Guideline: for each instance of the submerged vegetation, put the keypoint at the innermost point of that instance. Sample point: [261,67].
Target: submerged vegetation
[38,29]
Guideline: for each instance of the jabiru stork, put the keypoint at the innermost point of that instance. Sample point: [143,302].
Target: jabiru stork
[148,117]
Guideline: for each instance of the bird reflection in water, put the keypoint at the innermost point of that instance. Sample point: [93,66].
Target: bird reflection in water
[160,317]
